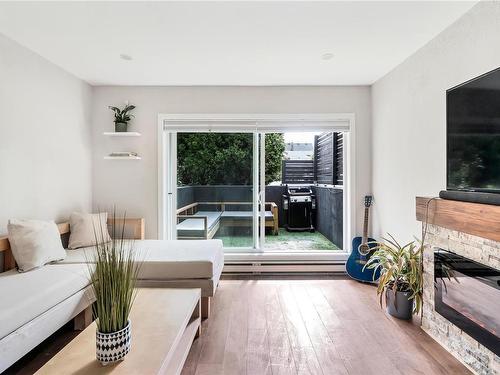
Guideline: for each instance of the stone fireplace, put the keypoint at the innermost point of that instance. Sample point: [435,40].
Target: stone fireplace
[467,293]
[462,313]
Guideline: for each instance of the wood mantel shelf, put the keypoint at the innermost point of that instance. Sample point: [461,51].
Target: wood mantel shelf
[482,220]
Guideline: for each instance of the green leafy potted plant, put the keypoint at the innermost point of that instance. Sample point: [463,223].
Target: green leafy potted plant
[401,276]
[113,275]
[122,117]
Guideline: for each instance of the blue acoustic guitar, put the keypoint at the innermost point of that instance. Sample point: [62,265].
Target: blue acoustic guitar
[361,252]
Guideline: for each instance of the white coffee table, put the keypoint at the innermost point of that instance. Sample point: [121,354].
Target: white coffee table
[164,324]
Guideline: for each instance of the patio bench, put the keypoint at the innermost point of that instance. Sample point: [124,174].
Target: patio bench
[196,223]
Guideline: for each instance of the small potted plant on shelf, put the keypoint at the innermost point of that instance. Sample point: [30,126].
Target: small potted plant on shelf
[113,275]
[122,117]
[401,276]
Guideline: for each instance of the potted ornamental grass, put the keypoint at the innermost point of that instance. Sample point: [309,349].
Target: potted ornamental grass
[122,117]
[401,276]
[113,276]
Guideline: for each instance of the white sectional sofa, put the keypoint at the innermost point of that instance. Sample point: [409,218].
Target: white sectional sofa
[37,303]
[34,304]
[172,264]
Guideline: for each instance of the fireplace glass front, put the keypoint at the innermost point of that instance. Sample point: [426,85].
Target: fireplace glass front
[468,295]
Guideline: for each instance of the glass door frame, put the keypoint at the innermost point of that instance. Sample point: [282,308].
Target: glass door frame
[257,194]
[170,183]
[257,124]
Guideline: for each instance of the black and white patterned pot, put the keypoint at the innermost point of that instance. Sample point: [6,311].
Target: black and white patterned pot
[113,347]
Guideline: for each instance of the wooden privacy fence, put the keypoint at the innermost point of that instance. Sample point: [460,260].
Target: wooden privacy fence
[298,171]
[326,167]
[329,158]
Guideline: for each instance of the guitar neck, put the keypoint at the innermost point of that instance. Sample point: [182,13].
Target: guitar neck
[365,226]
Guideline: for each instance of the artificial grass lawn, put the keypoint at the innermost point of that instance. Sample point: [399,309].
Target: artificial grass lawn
[283,241]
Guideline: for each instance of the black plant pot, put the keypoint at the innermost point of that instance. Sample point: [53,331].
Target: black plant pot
[398,304]
[120,127]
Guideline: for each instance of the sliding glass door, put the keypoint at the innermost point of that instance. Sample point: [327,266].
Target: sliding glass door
[303,190]
[215,188]
[257,191]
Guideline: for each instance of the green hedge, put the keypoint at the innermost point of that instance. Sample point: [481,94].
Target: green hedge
[224,158]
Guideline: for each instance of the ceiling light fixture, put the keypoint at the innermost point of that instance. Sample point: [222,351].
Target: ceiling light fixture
[125,57]
[327,56]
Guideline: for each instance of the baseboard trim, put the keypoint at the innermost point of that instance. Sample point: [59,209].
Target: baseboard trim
[275,267]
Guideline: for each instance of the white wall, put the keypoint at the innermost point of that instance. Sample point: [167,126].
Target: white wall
[45,149]
[409,116]
[132,185]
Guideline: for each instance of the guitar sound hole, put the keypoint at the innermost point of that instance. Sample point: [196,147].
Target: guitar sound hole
[364,249]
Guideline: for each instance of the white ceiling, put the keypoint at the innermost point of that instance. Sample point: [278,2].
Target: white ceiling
[227,43]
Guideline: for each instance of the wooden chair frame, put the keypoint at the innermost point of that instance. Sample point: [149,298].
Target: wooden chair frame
[188,212]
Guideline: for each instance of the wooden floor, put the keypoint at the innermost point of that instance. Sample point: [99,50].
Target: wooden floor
[330,326]
[310,327]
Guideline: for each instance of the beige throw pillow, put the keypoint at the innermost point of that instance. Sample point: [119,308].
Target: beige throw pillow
[84,228]
[34,243]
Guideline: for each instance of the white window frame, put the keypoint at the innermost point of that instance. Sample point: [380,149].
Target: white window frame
[262,123]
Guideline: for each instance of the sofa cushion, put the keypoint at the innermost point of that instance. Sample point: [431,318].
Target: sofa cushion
[34,243]
[28,295]
[196,227]
[167,260]
[87,229]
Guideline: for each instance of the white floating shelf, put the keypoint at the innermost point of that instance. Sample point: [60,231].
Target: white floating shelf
[122,157]
[122,134]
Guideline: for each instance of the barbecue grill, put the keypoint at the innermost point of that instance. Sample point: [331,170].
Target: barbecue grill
[299,204]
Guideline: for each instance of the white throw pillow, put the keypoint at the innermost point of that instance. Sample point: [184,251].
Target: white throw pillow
[34,243]
[85,227]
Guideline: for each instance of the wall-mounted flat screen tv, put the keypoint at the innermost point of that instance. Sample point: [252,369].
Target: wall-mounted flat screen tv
[473,134]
